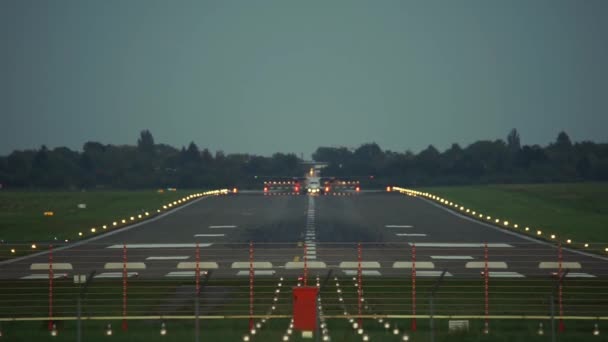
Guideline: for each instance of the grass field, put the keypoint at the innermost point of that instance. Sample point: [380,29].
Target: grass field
[570,211]
[22,219]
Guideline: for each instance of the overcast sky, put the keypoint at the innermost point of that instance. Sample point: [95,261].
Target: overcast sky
[268,76]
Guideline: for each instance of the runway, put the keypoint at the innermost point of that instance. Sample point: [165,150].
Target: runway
[387,234]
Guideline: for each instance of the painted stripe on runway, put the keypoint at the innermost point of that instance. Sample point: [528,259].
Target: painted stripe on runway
[257,273]
[311,257]
[300,264]
[160,245]
[111,275]
[182,274]
[460,245]
[409,264]
[129,265]
[414,234]
[398,226]
[44,276]
[45,266]
[192,265]
[452,257]
[579,275]
[363,272]
[505,275]
[482,264]
[431,274]
[220,227]
[355,264]
[209,235]
[181,257]
[256,264]
[555,265]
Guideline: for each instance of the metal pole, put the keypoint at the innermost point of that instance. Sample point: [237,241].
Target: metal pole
[51,276]
[551,300]
[431,304]
[359,285]
[81,294]
[197,292]
[413,327]
[124,287]
[432,320]
[486,288]
[251,275]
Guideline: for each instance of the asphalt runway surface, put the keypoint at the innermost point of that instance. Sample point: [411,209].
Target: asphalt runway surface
[285,232]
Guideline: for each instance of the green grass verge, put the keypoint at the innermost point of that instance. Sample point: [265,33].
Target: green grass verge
[570,211]
[22,219]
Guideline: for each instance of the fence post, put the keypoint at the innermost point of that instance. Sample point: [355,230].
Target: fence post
[562,327]
[486,289]
[413,327]
[251,276]
[305,266]
[124,287]
[359,285]
[197,274]
[51,276]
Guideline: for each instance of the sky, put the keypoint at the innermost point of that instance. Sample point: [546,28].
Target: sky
[289,76]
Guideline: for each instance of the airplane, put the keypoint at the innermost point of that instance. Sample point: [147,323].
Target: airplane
[312,184]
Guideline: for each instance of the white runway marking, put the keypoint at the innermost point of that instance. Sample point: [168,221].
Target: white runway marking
[432,273]
[189,265]
[414,234]
[183,257]
[160,245]
[482,264]
[300,264]
[363,272]
[209,235]
[505,275]
[129,266]
[460,245]
[555,265]
[182,274]
[56,266]
[44,276]
[452,257]
[409,264]
[111,275]
[257,273]
[219,227]
[355,264]
[256,264]
[398,226]
[580,275]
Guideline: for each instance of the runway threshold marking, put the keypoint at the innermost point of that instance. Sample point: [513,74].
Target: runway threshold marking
[432,273]
[209,235]
[220,227]
[482,264]
[256,272]
[493,274]
[188,265]
[409,264]
[553,264]
[398,226]
[363,272]
[44,276]
[413,234]
[128,265]
[580,275]
[452,257]
[56,266]
[355,264]
[160,245]
[114,275]
[180,257]
[461,245]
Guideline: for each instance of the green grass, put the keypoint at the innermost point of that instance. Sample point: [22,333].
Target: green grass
[570,211]
[22,219]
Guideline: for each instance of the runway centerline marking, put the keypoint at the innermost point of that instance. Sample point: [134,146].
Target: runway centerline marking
[219,227]
[398,226]
[413,234]
[209,235]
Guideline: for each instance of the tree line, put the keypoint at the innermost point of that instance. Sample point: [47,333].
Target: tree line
[151,165]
